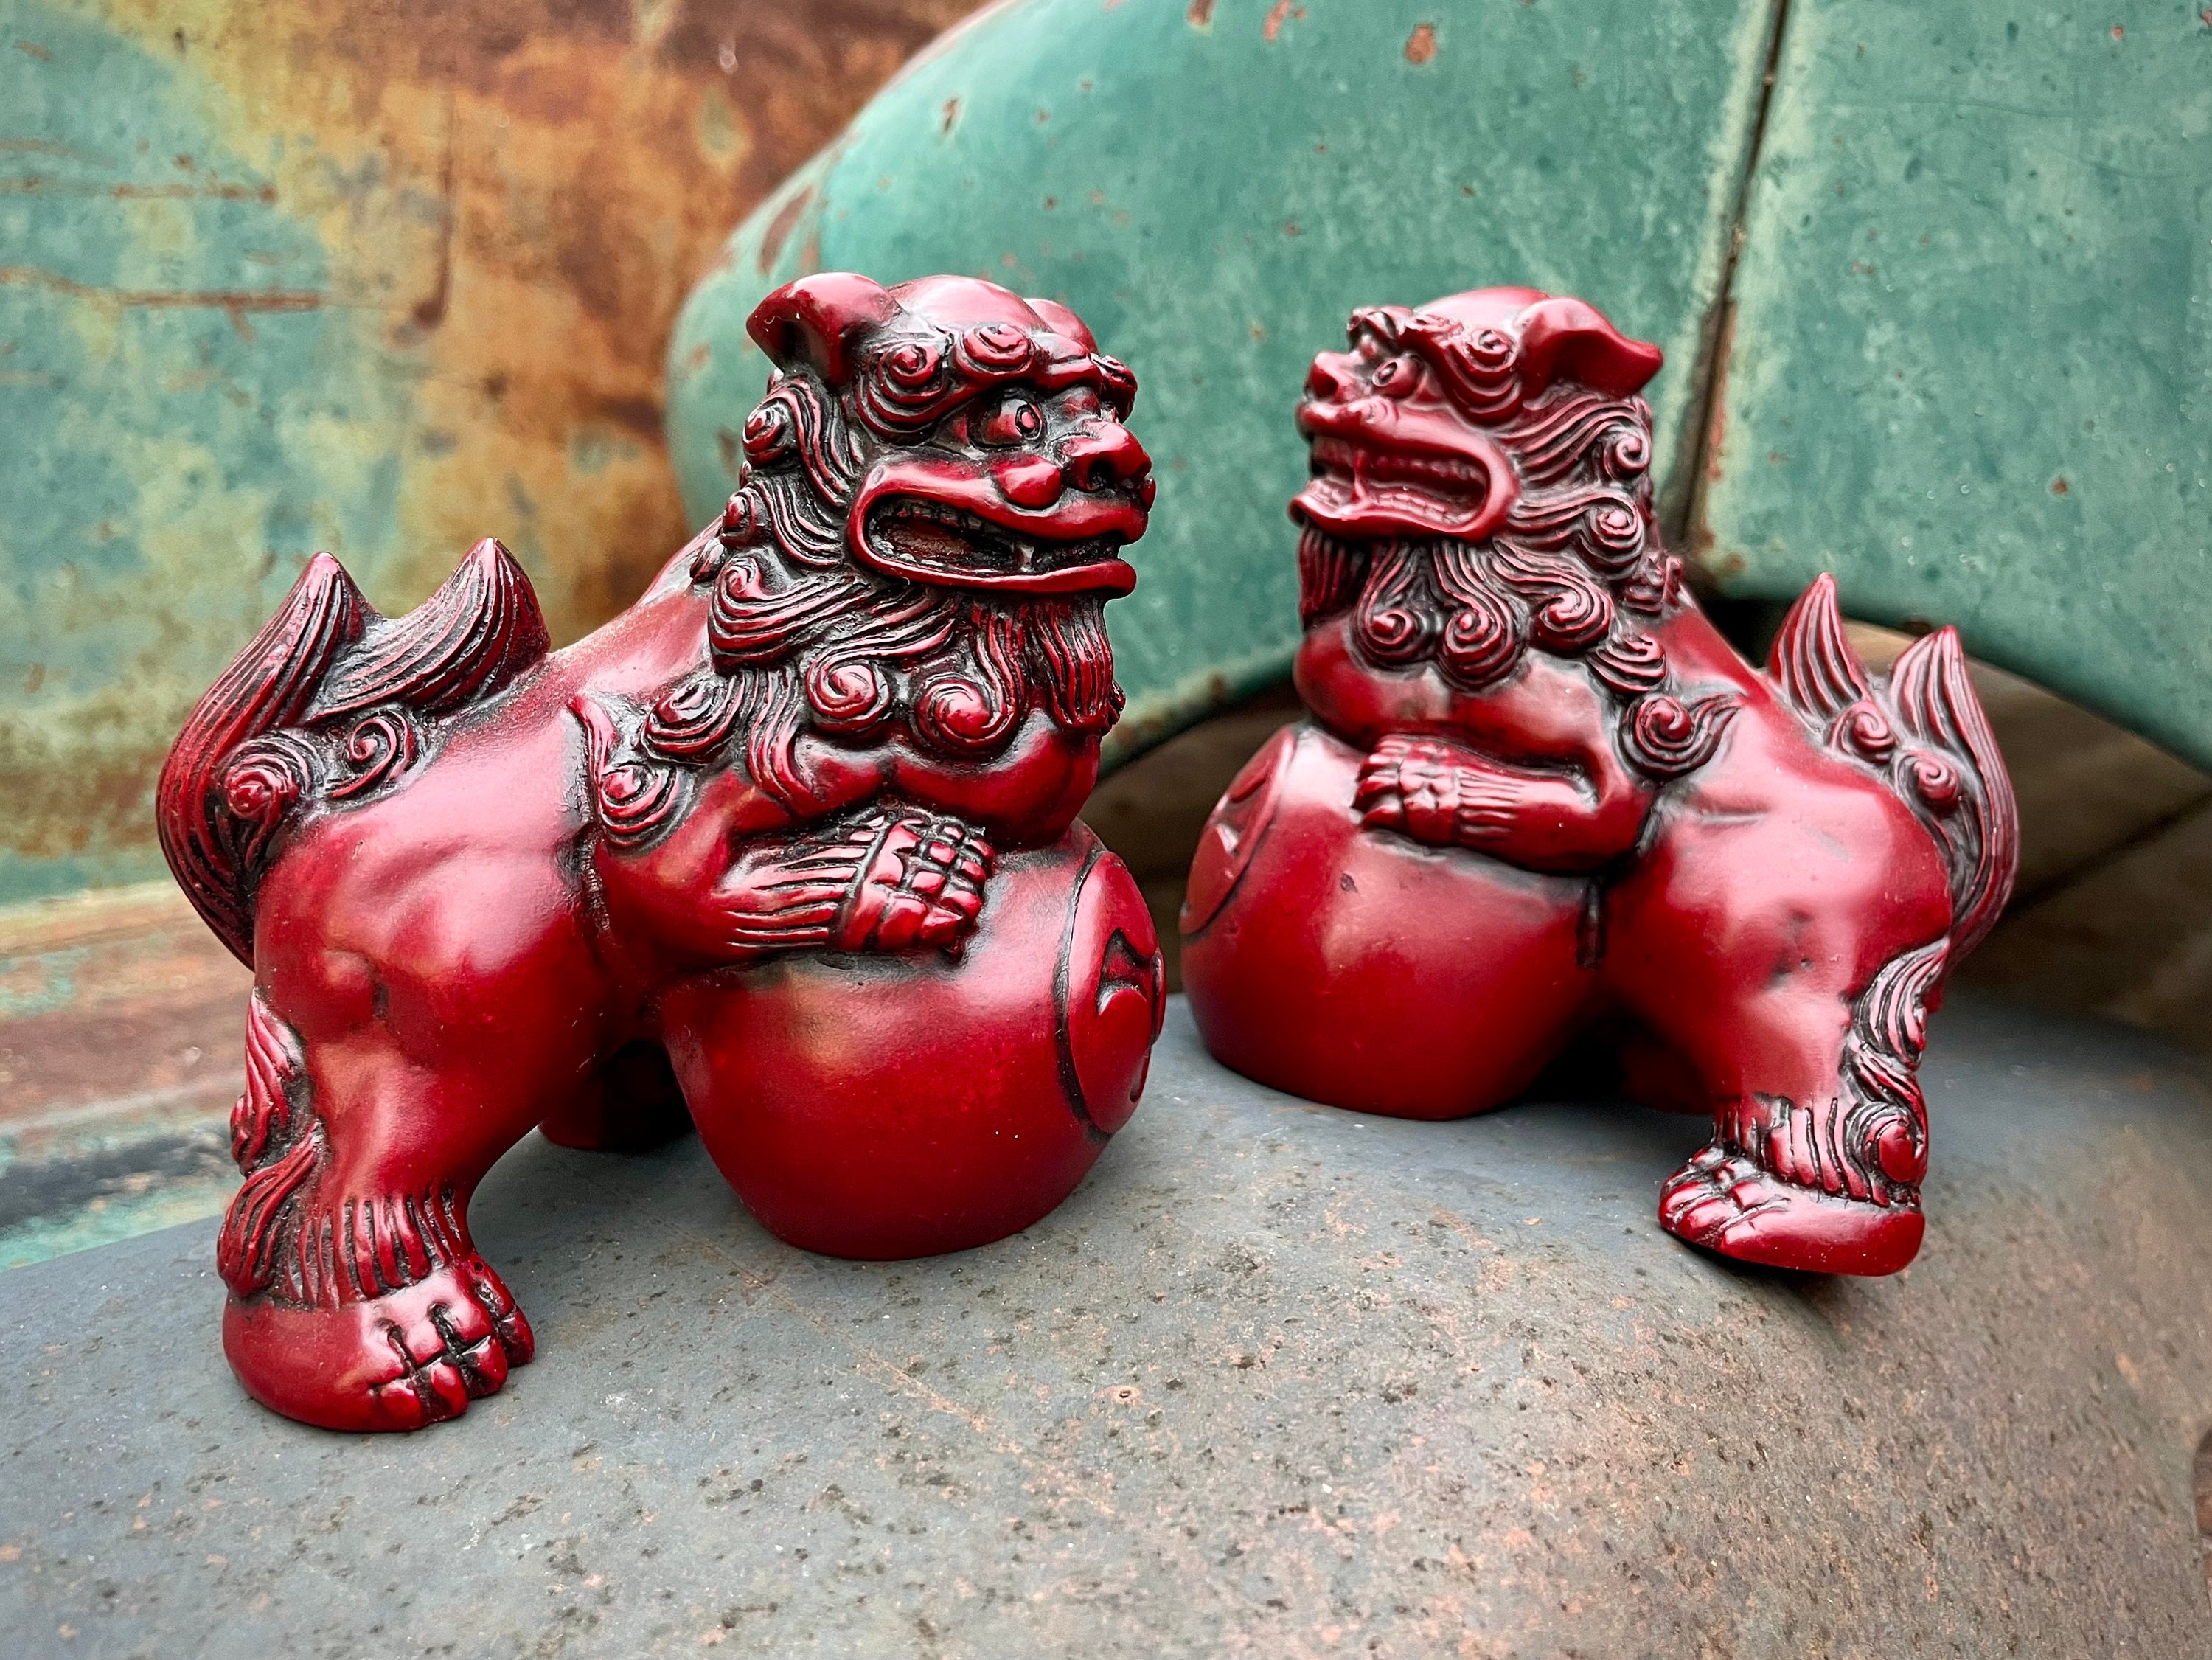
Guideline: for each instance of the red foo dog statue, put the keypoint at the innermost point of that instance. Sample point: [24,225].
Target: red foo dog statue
[1542,797]
[795,833]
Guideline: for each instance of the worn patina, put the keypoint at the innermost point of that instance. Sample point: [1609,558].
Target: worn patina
[1276,1381]
[1971,357]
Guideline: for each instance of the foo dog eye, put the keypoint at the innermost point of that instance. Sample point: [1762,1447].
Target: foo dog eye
[1399,378]
[1015,421]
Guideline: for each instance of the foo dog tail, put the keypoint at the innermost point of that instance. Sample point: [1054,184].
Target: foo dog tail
[1923,729]
[327,704]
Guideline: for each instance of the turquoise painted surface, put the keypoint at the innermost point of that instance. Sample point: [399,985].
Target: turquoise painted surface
[181,407]
[1214,187]
[1971,369]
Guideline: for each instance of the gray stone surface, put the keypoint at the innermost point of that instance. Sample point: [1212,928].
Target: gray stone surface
[1278,1381]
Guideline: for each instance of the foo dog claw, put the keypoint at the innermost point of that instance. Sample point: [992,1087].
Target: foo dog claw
[1726,1203]
[723,864]
[922,882]
[402,1360]
[1434,793]
[883,882]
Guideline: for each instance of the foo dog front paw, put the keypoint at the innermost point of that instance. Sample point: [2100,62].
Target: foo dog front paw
[1732,1206]
[920,882]
[1433,792]
[402,1360]
[887,879]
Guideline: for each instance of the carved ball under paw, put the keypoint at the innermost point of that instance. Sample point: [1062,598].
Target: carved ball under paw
[404,1360]
[883,1106]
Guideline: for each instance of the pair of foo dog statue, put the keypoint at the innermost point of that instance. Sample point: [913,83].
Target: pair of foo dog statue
[788,850]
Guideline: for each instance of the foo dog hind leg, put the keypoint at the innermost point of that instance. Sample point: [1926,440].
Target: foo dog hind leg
[1832,1183]
[358,1300]
[630,1104]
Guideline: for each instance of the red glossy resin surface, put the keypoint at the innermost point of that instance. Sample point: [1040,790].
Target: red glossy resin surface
[787,849]
[1540,798]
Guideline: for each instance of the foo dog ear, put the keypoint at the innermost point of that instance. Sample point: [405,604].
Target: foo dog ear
[818,317]
[1062,322]
[1566,338]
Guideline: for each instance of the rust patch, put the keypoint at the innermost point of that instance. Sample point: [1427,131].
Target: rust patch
[1421,44]
[577,183]
[1276,14]
[36,184]
[779,228]
[231,300]
[641,416]
[1200,13]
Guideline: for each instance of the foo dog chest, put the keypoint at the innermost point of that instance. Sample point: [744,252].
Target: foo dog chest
[1540,797]
[790,845]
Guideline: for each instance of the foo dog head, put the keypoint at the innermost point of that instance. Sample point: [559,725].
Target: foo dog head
[936,490]
[1480,487]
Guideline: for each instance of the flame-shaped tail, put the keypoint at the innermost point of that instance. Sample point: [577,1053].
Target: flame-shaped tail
[326,705]
[1924,729]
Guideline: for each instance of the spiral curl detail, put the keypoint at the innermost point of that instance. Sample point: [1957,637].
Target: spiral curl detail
[694,717]
[1666,738]
[266,778]
[1864,731]
[847,694]
[636,801]
[995,350]
[379,744]
[904,385]
[769,435]
[1936,780]
[1482,367]
[1393,622]
[1626,454]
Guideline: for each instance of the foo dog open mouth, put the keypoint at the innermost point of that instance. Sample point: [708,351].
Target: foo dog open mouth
[923,524]
[1360,490]
[1542,799]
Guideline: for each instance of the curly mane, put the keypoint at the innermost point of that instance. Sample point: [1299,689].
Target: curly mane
[800,637]
[1576,570]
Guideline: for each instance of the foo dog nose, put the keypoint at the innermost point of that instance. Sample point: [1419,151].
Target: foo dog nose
[1105,455]
[1328,377]
[1031,481]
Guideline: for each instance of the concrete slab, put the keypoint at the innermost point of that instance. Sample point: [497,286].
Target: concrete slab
[1278,1381]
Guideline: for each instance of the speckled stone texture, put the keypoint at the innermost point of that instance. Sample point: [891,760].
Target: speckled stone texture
[1278,1381]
